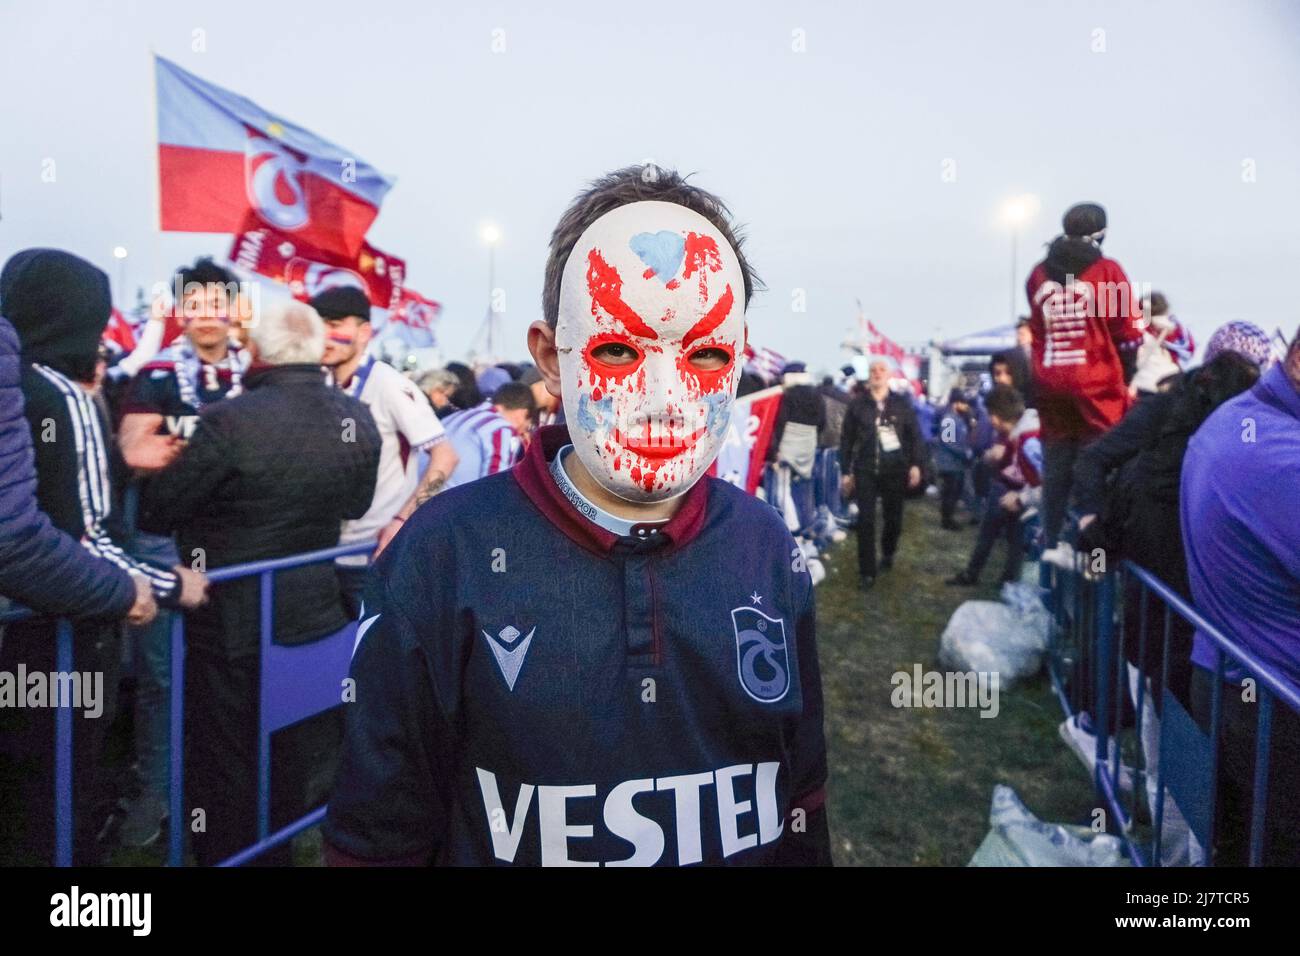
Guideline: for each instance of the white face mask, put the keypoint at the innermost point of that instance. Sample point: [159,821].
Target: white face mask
[650,333]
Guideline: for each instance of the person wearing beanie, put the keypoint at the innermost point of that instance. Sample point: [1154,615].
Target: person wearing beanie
[1238,511]
[1244,338]
[407,425]
[1127,488]
[1086,324]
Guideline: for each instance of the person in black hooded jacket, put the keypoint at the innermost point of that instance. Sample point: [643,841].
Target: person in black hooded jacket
[59,304]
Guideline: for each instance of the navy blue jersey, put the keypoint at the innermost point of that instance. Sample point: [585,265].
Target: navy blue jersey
[177,385]
[533,689]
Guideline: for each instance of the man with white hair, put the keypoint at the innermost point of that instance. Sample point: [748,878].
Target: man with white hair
[881,454]
[267,474]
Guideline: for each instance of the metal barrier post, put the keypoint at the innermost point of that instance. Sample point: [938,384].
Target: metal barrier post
[63,816]
[176,757]
[1259,802]
[263,743]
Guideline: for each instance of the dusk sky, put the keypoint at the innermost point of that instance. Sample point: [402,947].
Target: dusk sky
[867,151]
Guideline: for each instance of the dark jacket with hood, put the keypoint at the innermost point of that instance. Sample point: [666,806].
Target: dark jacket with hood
[59,305]
[270,473]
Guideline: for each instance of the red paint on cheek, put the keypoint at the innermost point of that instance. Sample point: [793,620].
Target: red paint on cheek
[618,464]
[636,474]
[596,393]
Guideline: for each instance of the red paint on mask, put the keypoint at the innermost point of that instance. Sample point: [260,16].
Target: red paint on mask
[709,381]
[712,319]
[701,255]
[606,288]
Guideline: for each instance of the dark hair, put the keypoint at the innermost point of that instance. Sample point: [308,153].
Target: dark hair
[205,272]
[1005,402]
[515,395]
[467,395]
[1227,376]
[1159,305]
[619,188]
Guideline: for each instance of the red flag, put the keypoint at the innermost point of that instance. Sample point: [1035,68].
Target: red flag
[753,418]
[308,271]
[221,156]
[119,332]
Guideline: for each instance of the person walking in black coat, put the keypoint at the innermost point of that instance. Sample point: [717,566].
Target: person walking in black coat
[267,474]
[881,453]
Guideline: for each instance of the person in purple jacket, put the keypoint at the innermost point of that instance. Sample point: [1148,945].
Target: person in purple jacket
[602,656]
[1241,528]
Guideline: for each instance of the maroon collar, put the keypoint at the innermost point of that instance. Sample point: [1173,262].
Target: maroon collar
[534,477]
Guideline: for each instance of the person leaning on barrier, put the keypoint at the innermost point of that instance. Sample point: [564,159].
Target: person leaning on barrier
[268,474]
[58,305]
[1239,494]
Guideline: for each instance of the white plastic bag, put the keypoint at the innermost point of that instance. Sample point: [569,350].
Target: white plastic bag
[991,637]
[1018,838]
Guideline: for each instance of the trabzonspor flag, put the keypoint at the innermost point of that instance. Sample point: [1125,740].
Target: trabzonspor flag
[221,156]
[412,320]
[308,271]
[749,433]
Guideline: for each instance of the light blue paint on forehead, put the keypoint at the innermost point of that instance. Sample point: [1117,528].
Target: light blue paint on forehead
[662,251]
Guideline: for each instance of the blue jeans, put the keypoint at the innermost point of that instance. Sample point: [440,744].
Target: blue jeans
[152,653]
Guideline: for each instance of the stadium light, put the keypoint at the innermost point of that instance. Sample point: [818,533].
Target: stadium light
[1016,212]
[119,252]
[491,234]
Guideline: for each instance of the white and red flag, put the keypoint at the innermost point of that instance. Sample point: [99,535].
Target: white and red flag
[308,271]
[221,156]
[412,320]
[749,433]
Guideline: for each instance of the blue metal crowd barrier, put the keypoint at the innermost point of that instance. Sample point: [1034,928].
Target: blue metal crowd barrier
[333,646]
[1087,665]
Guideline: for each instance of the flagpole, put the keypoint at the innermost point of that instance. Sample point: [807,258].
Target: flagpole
[155,227]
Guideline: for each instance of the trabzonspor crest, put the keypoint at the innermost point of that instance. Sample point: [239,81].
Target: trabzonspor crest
[762,657]
[273,179]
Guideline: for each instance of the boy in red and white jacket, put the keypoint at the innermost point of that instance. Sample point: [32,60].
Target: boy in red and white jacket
[1087,323]
[1017,487]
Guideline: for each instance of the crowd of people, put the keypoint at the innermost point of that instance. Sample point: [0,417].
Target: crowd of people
[129,476]
[1089,443]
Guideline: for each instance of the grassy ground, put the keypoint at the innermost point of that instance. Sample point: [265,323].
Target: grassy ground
[912,786]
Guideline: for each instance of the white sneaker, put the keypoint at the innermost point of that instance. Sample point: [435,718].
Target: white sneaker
[1062,556]
[1084,744]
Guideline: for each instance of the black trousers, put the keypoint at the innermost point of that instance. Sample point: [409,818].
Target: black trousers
[890,489]
[1237,776]
[998,523]
[1059,457]
[27,747]
[352,586]
[221,766]
[950,484]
